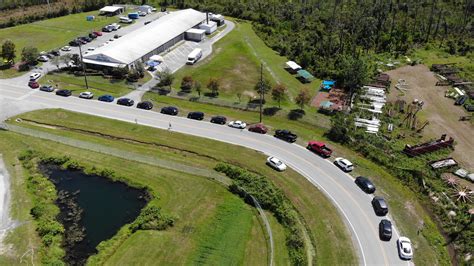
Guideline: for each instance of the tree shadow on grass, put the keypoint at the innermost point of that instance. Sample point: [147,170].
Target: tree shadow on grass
[296,114]
[270,111]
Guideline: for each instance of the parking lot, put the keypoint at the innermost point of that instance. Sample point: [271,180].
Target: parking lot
[177,56]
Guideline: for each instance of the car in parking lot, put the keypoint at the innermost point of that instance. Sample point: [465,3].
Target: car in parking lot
[285,135]
[237,124]
[169,110]
[106,98]
[64,93]
[196,115]
[344,164]
[97,33]
[258,128]
[86,95]
[107,28]
[145,105]
[54,53]
[47,88]
[405,249]
[380,206]
[125,101]
[75,43]
[365,184]
[33,84]
[92,35]
[66,48]
[35,76]
[43,58]
[219,120]
[385,230]
[276,163]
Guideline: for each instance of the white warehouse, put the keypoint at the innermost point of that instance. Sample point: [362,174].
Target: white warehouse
[149,40]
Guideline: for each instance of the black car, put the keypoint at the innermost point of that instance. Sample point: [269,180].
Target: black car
[380,206]
[85,38]
[74,43]
[145,105]
[47,88]
[219,120]
[55,53]
[461,100]
[285,135]
[65,93]
[385,230]
[469,107]
[92,35]
[365,184]
[125,101]
[196,115]
[169,110]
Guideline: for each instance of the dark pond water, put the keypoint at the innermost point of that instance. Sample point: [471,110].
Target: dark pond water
[93,209]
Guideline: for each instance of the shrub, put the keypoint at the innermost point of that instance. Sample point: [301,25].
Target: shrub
[151,218]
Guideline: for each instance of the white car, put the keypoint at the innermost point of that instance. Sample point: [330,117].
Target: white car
[91,48]
[344,164]
[276,163]
[35,76]
[405,250]
[237,124]
[66,48]
[43,58]
[86,95]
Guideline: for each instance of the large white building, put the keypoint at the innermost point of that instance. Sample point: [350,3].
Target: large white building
[149,40]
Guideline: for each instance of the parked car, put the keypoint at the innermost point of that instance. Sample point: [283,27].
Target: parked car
[461,100]
[469,107]
[74,43]
[47,88]
[276,163]
[344,164]
[405,250]
[196,115]
[92,35]
[385,230]
[106,98]
[380,206]
[86,95]
[35,76]
[285,135]
[65,93]
[82,41]
[43,58]
[145,105]
[33,84]
[169,110]
[142,14]
[219,120]
[66,48]
[107,28]
[97,33]
[54,53]
[115,26]
[237,124]
[319,148]
[365,184]
[125,101]
[258,128]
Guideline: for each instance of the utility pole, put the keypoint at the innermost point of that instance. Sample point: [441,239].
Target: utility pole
[261,90]
[83,66]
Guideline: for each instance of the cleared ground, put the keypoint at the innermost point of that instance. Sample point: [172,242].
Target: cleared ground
[440,111]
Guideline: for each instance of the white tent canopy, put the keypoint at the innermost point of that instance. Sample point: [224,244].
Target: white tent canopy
[294,66]
[110,9]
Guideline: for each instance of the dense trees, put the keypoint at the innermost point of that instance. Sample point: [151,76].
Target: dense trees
[29,55]
[8,51]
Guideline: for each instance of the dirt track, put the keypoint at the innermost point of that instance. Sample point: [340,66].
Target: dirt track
[441,112]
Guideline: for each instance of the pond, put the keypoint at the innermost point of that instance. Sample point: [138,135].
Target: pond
[93,209]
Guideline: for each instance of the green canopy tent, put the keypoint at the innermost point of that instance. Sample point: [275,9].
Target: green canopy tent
[305,76]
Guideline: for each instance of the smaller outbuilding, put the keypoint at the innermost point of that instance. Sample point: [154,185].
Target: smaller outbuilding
[209,27]
[292,67]
[194,34]
[111,10]
[219,19]
[304,76]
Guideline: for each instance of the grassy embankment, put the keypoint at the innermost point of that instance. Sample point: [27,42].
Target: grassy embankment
[51,33]
[327,229]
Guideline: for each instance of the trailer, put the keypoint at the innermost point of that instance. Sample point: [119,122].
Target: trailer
[427,147]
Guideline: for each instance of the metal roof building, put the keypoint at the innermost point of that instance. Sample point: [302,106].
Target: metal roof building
[151,39]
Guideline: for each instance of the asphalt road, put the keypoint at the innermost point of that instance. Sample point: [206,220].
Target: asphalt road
[353,204]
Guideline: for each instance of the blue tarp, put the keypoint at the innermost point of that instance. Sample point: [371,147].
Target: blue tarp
[327,84]
[152,63]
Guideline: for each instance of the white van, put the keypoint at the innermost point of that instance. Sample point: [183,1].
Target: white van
[125,20]
[194,56]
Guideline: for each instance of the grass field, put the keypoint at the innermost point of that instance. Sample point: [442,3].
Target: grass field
[236,62]
[97,84]
[326,228]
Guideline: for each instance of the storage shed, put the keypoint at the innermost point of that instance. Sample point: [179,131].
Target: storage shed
[111,10]
[209,27]
[292,67]
[196,35]
[219,19]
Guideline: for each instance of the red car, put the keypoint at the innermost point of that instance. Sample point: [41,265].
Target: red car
[258,128]
[97,33]
[33,84]
[319,148]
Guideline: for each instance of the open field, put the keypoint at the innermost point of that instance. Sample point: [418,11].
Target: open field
[440,111]
[97,84]
[235,61]
[325,226]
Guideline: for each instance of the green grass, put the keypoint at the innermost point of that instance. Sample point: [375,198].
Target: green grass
[326,227]
[235,61]
[97,84]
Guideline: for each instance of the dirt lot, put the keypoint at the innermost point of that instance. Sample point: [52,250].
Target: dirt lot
[441,112]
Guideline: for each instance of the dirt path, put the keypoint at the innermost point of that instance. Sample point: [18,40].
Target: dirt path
[441,112]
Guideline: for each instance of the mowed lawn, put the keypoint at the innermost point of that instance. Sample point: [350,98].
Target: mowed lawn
[235,62]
